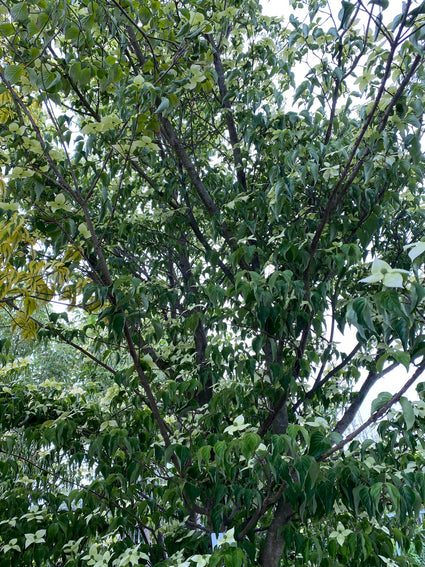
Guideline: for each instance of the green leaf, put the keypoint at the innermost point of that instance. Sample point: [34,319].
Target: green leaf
[401,357]
[375,493]
[159,330]
[192,321]
[303,465]
[204,454]
[71,32]
[184,29]
[381,361]
[345,13]
[192,491]
[257,344]
[415,149]
[417,293]
[420,388]
[7,29]
[163,106]
[368,168]
[402,328]
[220,450]
[79,74]
[382,399]
[217,517]
[366,499]
[19,11]
[394,495]
[301,89]
[359,314]
[249,444]
[89,290]
[408,412]
[389,301]
[13,73]
[318,443]
[233,557]
[382,3]
[116,324]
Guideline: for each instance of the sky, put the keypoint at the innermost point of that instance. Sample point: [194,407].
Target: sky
[280,7]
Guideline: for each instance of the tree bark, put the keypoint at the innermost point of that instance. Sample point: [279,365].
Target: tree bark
[273,547]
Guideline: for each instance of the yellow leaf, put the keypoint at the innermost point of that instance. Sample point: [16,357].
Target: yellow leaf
[26,326]
[30,305]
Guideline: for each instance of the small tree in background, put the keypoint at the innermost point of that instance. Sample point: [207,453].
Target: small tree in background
[207,220]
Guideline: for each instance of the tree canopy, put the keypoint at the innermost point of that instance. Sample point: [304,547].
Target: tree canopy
[197,202]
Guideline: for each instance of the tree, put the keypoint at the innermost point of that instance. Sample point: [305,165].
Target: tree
[208,219]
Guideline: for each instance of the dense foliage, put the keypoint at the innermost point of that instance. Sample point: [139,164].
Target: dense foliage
[192,197]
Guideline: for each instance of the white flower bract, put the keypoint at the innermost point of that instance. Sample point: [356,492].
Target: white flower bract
[382,272]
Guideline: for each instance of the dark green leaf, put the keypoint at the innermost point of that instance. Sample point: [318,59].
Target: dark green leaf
[345,13]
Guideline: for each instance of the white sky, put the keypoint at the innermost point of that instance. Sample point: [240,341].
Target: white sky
[282,7]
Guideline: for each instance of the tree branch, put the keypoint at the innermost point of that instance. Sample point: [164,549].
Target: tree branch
[375,416]
[353,408]
[230,121]
[346,178]
[318,384]
[212,209]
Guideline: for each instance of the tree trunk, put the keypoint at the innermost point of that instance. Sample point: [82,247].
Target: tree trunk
[272,550]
